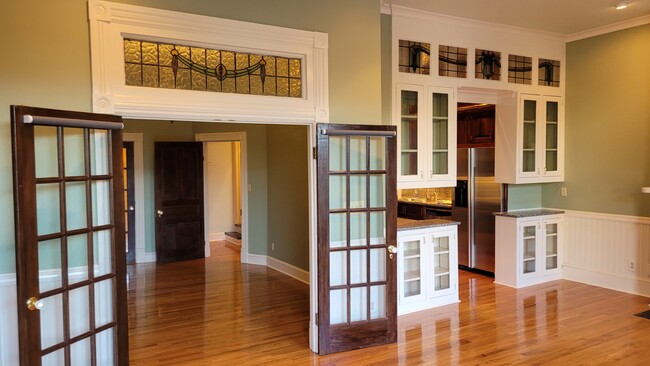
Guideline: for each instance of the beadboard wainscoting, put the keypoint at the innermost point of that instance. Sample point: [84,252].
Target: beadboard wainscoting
[8,321]
[606,250]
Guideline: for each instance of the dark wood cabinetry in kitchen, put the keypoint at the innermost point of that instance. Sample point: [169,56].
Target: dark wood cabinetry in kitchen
[476,124]
[421,211]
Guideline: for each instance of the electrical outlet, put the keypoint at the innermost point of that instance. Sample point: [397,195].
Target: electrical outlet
[273,247]
[631,266]
[563,192]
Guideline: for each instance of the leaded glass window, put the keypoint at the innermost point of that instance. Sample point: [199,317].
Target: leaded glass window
[414,57]
[549,72]
[173,66]
[520,69]
[452,61]
[488,65]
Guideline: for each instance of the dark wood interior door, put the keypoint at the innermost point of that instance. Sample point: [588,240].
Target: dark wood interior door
[179,201]
[70,253]
[357,230]
[129,200]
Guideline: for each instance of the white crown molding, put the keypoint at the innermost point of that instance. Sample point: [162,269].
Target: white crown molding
[609,28]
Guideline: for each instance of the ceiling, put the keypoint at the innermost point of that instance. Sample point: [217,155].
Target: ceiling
[564,17]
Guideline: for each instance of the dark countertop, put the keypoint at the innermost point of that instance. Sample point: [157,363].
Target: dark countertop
[529,213]
[427,203]
[408,224]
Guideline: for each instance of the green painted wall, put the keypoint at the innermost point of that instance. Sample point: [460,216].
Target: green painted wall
[288,194]
[607,125]
[523,196]
[47,64]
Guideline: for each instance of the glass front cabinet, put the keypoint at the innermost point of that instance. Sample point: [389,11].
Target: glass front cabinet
[427,268]
[540,137]
[528,250]
[426,128]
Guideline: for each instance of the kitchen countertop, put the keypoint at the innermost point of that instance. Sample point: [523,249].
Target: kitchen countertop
[408,224]
[436,204]
[529,213]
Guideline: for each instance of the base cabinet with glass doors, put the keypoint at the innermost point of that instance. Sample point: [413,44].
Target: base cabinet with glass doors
[528,249]
[426,129]
[427,268]
[538,130]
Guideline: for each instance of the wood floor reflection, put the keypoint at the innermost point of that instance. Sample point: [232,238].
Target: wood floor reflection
[219,312]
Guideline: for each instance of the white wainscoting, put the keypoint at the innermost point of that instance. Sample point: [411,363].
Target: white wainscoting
[8,320]
[598,249]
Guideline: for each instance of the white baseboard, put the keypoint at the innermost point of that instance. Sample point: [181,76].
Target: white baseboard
[147,257]
[217,236]
[256,259]
[288,269]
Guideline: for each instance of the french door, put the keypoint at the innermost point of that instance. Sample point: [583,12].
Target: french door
[70,253]
[357,217]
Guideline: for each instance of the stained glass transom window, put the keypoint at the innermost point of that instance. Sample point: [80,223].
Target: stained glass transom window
[520,69]
[452,61]
[549,72]
[488,65]
[414,57]
[173,66]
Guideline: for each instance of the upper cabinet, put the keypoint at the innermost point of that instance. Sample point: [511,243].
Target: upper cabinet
[530,147]
[426,128]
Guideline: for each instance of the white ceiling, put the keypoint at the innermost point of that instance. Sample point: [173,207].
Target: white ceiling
[564,17]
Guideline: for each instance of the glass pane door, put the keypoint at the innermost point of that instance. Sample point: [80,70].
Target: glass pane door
[529,131]
[440,134]
[551,246]
[409,132]
[529,249]
[552,120]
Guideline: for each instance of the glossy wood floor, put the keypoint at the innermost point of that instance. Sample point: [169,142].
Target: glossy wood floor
[219,312]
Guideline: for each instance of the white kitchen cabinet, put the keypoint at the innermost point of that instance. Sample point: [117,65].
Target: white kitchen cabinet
[528,250]
[537,155]
[426,128]
[427,268]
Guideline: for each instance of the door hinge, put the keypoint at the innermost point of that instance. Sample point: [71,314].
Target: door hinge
[316,319]
[314,153]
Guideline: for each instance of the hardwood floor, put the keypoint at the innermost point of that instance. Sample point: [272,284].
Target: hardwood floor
[219,312]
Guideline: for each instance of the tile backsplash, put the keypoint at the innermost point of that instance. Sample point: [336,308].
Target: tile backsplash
[430,194]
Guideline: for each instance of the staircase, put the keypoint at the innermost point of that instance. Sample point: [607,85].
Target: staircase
[233,238]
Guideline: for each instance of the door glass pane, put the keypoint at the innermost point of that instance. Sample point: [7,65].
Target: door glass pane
[99,148]
[358,153]
[77,258]
[409,133]
[337,153]
[45,152]
[529,131]
[358,304]
[338,230]
[377,153]
[51,321]
[103,302]
[80,353]
[56,358]
[440,133]
[377,227]
[358,229]
[551,135]
[358,266]
[337,192]
[377,264]
[338,306]
[50,275]
[75,205]
[102,244]
[358,191]
[73,150]
[79,311]
[377,302]
[104,348]
[101,193]
[338,268]
[378,190]
[48,208]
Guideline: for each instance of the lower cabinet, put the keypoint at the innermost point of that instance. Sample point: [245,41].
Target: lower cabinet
[427,268]
[528,250]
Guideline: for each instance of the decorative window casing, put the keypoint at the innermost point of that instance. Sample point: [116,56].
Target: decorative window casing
[520,69]
[549,72]
[414,57]
[249,82]
[488,65]
[452,61]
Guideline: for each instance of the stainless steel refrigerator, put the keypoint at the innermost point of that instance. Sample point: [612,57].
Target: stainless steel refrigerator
[477,196]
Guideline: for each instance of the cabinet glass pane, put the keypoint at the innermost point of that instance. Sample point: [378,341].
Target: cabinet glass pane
[439,163]
[411,248]
[551,246]
[441,263]
[529,266]
[409,132]
[441,282]
[338,268]
[439,133]
[358,304]
[338,306]
[358,267]
[551,135]
[412,288]
[358,153]
[551,262]
[441,244]
[338,230]
[551,161]
[358,185]
[529,231]
[337,192]
[377,302]
[529,135]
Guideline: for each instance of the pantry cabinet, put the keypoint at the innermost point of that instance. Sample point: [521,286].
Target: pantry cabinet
[427,268]
[426,129]
[528,249]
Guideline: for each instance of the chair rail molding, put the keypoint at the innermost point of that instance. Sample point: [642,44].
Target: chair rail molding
[111,22]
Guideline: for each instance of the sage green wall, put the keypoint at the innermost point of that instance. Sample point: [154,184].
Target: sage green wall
[47,64]
[607,125]
[523,196]
[386,72]
[288,192]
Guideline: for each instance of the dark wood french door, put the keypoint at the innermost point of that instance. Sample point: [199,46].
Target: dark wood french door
[70,253]
[357,219]
[179,201]
[129,200]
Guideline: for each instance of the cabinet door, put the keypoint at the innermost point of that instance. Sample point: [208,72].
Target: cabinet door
[528,255]
[552,157]
[411,111]
[410,267]
[551,245]
[441,136]
[443,263]
[530,117]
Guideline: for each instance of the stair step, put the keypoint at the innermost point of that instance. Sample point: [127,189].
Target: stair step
[238,228]
[234,234]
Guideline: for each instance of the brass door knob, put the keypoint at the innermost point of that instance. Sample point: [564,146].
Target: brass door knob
[159,213]
[392,250]
[34,304]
